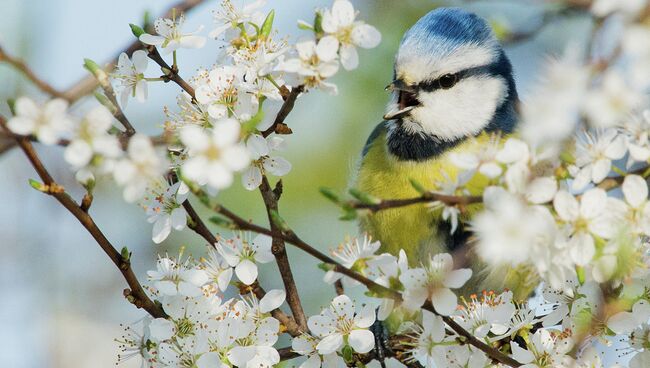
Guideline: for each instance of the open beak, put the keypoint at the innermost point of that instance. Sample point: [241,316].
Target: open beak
[407,100]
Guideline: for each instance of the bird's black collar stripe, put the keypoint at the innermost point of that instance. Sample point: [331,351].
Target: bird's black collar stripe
[411,146]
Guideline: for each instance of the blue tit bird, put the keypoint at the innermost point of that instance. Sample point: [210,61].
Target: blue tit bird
[453,91]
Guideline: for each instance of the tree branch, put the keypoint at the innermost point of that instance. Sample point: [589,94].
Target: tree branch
[279,127]
[428,197]
[136,294]
[278,249]
[22,67]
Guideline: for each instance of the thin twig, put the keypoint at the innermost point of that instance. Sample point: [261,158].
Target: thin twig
[278,249]
[424,198]
[278,126]
[22,67]
[87,84]
[136,293]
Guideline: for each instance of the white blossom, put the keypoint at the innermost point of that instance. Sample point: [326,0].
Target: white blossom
[48,123]
[229,16]
[352,254]
[306,345]
[340,323]
[139,168]
[214,154]
[610,105]
[220,91]
[427,338]
[434,281]
[628,7]
[130,76]
[595,152]
[260,150]
[171,37]
[243,255]
[164,207]
[173,277]
[315,63]
[548,349]
[92,145]
[344,34]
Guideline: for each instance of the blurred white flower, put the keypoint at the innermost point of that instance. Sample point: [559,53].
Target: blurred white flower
[243,255]
[342,30]
[434,281]
[455,187]
[483,161]
[164,207]
[221,93]
[171,37]
[48,123]
[510,231]
[595,152]
[139,168]
[189,114]
[629,8]
[260,150]
[613,102]
[213,155]
[315,63]
[229,16]
[552,112]
[92,144]
[634,213]
[636,130]
[339,325]
[130,76]
[635,46]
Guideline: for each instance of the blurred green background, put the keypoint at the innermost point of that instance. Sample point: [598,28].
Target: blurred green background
[61,302]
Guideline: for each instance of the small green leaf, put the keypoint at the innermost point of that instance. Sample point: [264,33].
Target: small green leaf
[12,105]
[330,194]
[305,26]
[267,26]
[326,267]
[222,222]
[96,70]
[318,23]
[137,30]
[106,102]
[567,157]
[126,255]
[347,353]
[349,214]
[37,185]
[363,197]
[417,186]
[279,221]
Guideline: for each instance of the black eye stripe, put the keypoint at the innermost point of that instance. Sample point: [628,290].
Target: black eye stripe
[443,82]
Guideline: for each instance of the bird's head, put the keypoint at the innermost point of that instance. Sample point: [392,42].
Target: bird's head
[451,79]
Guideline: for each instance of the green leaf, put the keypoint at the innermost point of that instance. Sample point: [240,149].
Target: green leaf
[363,197]
[222,222]
[267,26]
[126,255]
[318,23]
[279,221]
[305,26]
[349,214]
[326,266]
[96,70]
[330,194]
[12,105]
[106,102]
[417,186]
[137,30]
[37,185]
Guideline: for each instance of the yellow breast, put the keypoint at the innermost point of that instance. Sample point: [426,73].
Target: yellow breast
[413,228]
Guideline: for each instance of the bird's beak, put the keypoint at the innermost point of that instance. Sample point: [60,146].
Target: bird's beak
[404,90]
[399,85]
[398,114]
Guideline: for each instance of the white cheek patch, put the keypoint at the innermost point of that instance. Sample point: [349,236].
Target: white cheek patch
[462,111]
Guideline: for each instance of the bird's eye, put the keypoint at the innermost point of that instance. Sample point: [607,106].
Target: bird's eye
[448,80]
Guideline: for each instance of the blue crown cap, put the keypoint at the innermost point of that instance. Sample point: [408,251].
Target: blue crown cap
[442,30]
